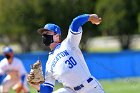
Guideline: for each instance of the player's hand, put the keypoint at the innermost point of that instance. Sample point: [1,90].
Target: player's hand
[94,19]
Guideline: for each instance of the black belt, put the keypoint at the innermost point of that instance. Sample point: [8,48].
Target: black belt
[81,85]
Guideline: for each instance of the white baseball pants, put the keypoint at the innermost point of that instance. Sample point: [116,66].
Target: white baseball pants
[9,83]
[93,87]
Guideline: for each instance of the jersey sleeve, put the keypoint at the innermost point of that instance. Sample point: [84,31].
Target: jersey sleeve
[1,71]
[74,38]
[75,30]
[49,79]
[2,66]
[48,85]
[22,70]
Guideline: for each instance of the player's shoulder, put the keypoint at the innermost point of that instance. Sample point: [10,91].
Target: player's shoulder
[63,42]
[64,45]
[17,60]
[3,62]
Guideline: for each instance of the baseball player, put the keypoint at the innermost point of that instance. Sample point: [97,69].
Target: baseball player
[66,63]
[15,73]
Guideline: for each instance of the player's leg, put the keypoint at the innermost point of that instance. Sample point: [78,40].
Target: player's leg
[7,84]
[18,87]
[94,87]
[99,88]
[64,90]
[25,87]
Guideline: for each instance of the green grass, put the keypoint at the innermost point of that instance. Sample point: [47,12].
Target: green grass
[127,85]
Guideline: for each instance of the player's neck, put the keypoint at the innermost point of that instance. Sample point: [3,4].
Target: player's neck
[10,60]
[53,45]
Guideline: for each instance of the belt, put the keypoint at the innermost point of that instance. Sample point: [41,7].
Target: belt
[81,85]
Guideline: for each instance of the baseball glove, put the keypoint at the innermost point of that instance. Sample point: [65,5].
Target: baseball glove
[36,74]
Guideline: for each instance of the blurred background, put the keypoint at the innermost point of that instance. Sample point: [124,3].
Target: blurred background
[112,49]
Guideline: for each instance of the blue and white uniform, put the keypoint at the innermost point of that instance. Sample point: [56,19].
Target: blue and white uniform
[15,73]
[66,64]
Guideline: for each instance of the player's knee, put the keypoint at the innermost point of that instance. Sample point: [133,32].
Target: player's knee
[3,89]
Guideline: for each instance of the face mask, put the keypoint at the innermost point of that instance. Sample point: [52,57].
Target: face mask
[8,56]
[47,39]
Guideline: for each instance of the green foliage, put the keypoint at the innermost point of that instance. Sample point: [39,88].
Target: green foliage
[119,16]
[112,14]
[139,23]
[19,19]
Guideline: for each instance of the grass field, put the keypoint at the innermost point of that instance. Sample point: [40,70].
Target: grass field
[127,85]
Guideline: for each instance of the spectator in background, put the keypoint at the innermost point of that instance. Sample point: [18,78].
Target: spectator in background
[15,73]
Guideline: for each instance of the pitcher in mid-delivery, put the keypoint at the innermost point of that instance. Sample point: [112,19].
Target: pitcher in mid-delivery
[66,63]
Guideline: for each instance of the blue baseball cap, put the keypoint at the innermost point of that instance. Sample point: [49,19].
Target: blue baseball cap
[7,50]
[50,27]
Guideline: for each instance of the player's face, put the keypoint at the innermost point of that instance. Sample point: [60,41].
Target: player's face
[49,37]
[9,55]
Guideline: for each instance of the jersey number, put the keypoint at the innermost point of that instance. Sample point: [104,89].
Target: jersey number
[71,62]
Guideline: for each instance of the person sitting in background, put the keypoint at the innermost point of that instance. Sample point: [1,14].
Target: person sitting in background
[15,73]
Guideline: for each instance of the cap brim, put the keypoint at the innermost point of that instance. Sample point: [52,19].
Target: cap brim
[41,30]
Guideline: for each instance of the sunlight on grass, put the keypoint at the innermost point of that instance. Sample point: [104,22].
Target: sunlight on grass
[127,85]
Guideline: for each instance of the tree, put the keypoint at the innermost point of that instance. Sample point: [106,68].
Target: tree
[20,19]
[17,22]
[119,18]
